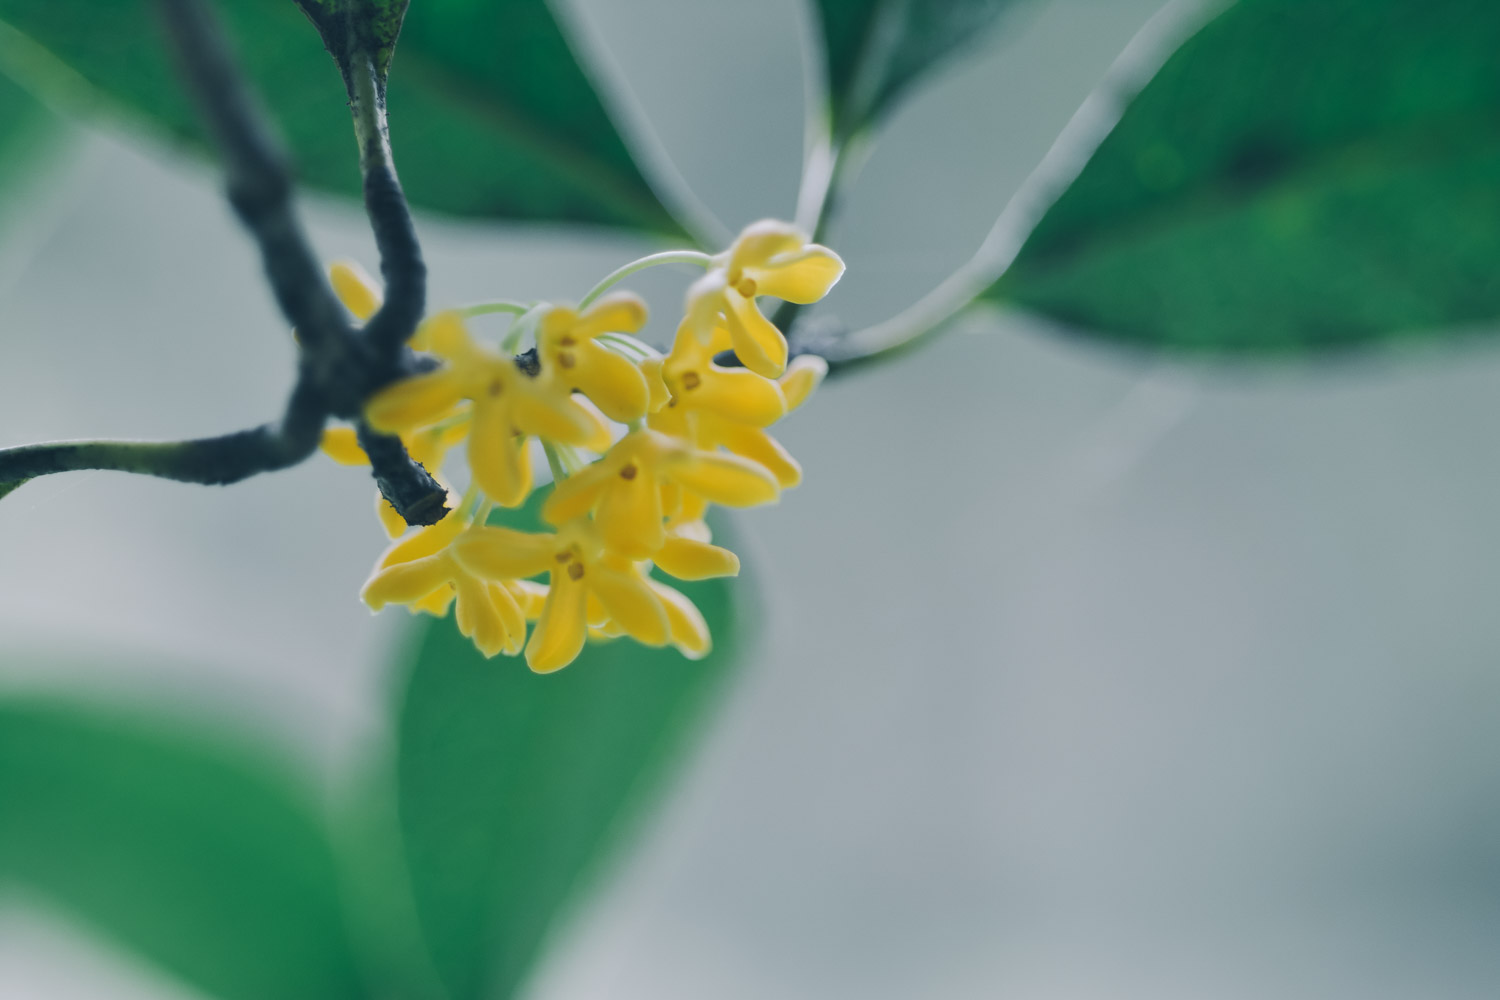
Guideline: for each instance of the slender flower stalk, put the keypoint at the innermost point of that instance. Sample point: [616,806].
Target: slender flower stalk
[636,266]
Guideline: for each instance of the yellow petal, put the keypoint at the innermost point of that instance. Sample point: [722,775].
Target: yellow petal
[414,402]
[406,582]
[688,559]
[504,554]
[558,637]
[617,312]
[689,347]
[476,616]
[342,445]
[629,514]
[434,604]
[445,335]
[733,393]
[393,523]
[556,323]
[705,304]
[691,510]
[576,496]
[597,617]
[497,458]
[614,384]
[549,414]
[757,343]
[511,616]
[803,375]
[671,498]
[359,292]
[760,241]
[529,595]
[802,277]
[726,479]
[430,445]
[675,420]
[630,603]
[657,393]
[685,622]
[423,542]
[762,449]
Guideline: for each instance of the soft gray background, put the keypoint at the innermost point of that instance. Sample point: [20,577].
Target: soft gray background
[1081,678]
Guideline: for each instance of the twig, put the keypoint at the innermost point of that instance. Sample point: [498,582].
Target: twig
[339,367]
[215,461]
[258,179]
[401,263]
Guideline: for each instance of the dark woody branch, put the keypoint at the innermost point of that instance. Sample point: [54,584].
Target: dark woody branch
[339,366]
[214,461]
[258,178]
[401,264]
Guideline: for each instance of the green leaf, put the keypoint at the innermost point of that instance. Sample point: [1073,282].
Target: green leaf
[491,115]
[194,853]
[514,786]
[1297,176]
[873,50]
[6,489]
[25,130]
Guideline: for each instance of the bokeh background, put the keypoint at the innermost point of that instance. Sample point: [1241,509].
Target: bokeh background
[1082,674]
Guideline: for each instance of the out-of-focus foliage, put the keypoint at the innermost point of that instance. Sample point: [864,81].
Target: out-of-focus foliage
[491,114]
[513,786]
[198,854]
[873,50]
[24,124]
[1297,176]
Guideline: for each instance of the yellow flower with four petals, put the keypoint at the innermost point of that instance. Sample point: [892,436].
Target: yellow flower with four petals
[769,258]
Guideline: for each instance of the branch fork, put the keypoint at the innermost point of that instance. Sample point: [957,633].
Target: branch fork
[339,366]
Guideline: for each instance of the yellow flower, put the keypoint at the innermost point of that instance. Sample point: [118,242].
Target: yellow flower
[579,567]
[686,628]
[565,341]
[695,382]
[714,428]
[623,489]
[428,446]
[422,571]
[769,258]
[509,406]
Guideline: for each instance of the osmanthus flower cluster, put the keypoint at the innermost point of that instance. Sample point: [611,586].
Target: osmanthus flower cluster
[639,446]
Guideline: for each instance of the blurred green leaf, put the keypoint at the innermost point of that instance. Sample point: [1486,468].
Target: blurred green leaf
[6,489]
[25,127]
[194,853]
[491,115]
[874,49]
[1297,176]
[513,787]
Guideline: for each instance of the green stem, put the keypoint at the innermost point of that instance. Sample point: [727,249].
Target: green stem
[628,345]
[828,169]
[498,306]
[666,257]
[554,462]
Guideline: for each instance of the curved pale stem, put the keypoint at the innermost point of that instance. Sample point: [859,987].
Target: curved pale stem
[620,274]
